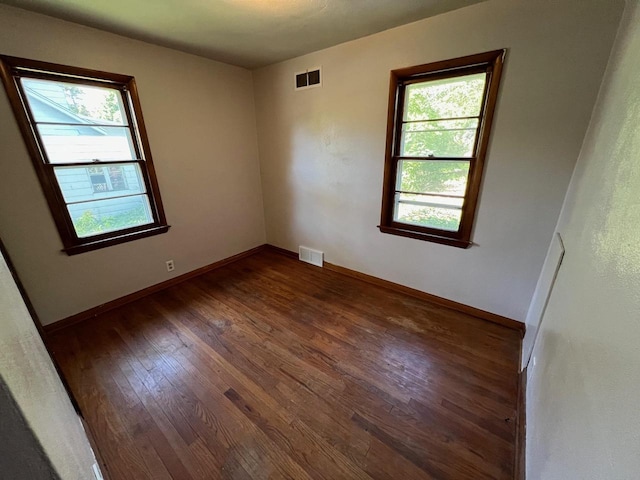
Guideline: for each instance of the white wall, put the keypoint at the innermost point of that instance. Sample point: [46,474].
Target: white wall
[322,150]
[200,119]
[33,382]
[583,416]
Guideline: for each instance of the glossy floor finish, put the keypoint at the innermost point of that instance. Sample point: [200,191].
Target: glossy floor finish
[270,368]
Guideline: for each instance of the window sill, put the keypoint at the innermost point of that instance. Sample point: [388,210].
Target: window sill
[428,237]
[107,242]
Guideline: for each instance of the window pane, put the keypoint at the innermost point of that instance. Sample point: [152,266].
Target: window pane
[79,184]
[424,176]
[102,216]
[445,98]
[444,138]
[62,102]
[428,211]
[80,143]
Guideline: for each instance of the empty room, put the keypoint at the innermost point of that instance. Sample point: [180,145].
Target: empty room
[319,239]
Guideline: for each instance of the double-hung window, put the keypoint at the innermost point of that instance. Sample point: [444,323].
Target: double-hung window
[85,133]
[437,136]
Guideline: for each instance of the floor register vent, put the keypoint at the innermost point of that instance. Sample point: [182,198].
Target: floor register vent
[309,255]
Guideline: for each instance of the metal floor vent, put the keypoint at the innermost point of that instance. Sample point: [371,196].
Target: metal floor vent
[309,255]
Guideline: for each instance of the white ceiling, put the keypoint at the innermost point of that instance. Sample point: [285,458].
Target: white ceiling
[248,33]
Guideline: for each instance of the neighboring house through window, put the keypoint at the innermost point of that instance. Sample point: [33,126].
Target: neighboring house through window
[86,136]
[437,136]
[107,179]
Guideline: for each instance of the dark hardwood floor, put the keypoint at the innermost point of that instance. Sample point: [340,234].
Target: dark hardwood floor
[270,368]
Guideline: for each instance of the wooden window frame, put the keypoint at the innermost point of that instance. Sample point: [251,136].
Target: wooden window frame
[489,62]
[11,70]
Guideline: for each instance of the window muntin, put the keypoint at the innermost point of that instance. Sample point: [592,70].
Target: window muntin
[85,133]
[438,129]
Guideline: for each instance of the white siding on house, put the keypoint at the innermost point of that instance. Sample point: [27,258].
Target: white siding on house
[76,185]
[75,146]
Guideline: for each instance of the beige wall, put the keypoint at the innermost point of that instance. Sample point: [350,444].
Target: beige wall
[322,150]
[583,419]
[28,373]
[201,125]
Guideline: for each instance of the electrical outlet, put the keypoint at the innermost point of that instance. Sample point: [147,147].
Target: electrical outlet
[170,266]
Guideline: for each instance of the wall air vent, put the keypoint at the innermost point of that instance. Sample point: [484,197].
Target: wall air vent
[308,79]
[309,255]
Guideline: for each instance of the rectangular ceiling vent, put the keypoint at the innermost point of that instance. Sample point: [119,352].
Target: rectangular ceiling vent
[308,79]
[309,255]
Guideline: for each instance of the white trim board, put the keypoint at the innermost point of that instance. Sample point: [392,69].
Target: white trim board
[541,296]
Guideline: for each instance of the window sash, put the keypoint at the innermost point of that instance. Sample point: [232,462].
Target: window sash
[128,122]
[399,192]
[50,167]
[399,114]
[427,212]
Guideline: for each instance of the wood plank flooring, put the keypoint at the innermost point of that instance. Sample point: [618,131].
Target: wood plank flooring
[270,368]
